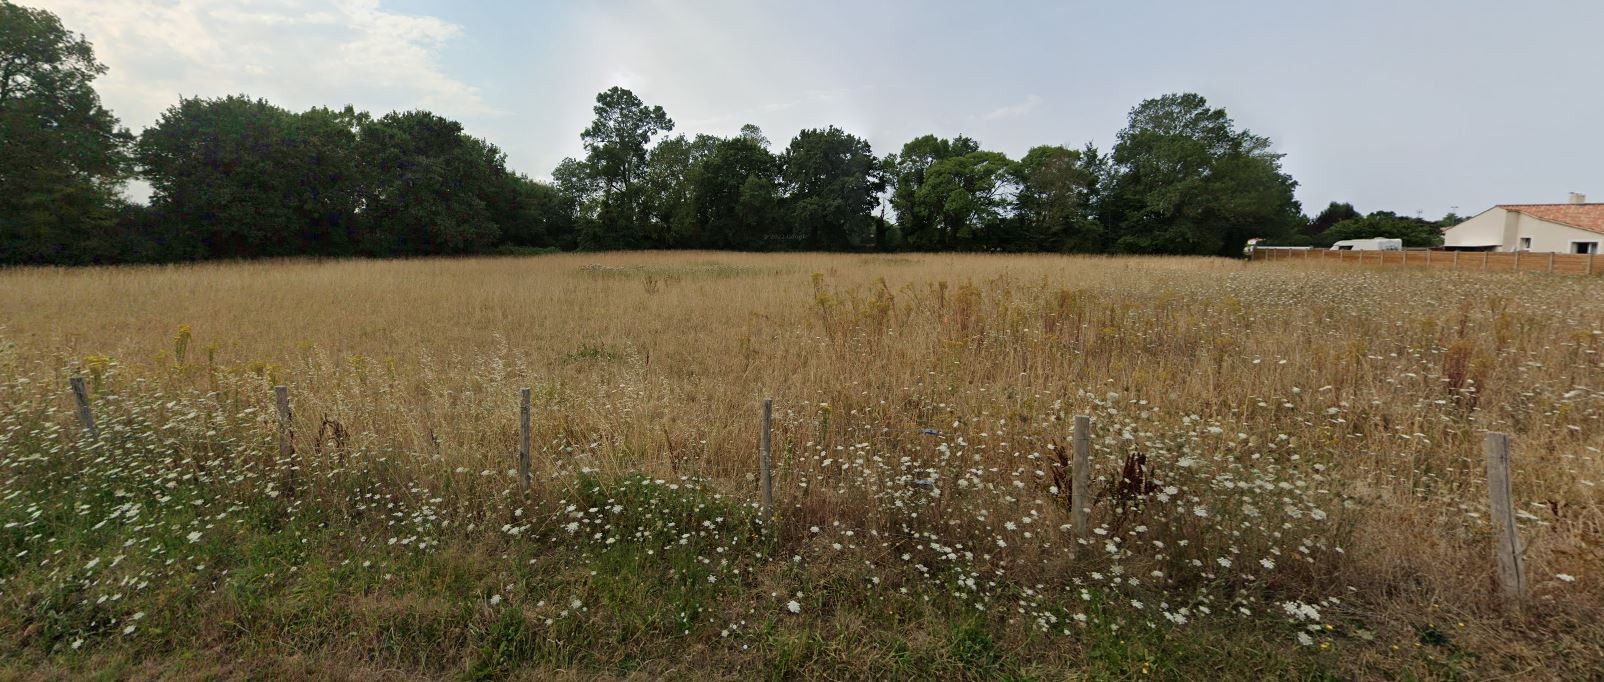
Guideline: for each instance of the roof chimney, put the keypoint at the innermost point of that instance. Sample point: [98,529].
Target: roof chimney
[1578,198]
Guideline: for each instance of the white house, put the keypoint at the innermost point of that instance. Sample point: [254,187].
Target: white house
[1575,227]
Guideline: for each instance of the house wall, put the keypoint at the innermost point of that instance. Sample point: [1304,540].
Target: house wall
[1547,236]
[1486,228]
[1505,228]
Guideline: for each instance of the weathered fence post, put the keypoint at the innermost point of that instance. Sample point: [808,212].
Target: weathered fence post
[765,464]
[1589,264]
[1456,261]
[523,439]
[1517,260]
[1080,491]
[286,427]
[1510,573]
[85,416]
[1484,255]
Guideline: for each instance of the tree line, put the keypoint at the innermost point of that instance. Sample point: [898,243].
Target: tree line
[239,177]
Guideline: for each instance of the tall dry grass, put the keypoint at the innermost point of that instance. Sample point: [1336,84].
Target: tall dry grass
[1358,393]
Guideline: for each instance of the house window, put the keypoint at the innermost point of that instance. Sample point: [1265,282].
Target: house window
[1525,243]
[1584,247]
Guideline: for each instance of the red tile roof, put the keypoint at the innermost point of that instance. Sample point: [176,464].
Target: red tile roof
[1588,217]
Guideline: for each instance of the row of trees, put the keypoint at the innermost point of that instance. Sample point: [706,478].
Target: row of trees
[1181,179]
[1341,221]
[820,192]
[241,178]
[236,177]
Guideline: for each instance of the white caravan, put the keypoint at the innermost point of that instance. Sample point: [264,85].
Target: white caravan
[1372,244]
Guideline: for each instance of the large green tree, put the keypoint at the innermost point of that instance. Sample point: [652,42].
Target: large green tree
[736,194]
[579,187]
[905,173]
[966,198]
[1054,206]
[244,178]
[670,180]
[238,177]
[1187,181]
[616,148]
[329,176]
[532,214]
[213,167]
[63,156]
[429,186]
[833,183]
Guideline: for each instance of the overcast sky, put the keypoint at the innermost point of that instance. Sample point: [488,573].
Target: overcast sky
[1397,105]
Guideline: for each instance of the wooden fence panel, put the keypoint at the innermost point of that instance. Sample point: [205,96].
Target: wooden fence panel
[1483,261]
[1570,264]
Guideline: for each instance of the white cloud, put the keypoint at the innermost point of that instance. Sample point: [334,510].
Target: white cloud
[1013,110]
[295,53]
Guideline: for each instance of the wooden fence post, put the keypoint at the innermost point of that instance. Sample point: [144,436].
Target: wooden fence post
[1589,264]
[1484,255]
[765,463]
[286,426]
[1456,261]
[523,439]
[85,416]
[1517,260]
[1510,572]
[1080,491]
[1550,261]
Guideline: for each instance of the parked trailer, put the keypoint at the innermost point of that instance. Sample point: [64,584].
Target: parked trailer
[1372,244]
[1256,244]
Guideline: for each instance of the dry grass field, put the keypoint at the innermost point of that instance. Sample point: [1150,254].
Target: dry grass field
[1289,476]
